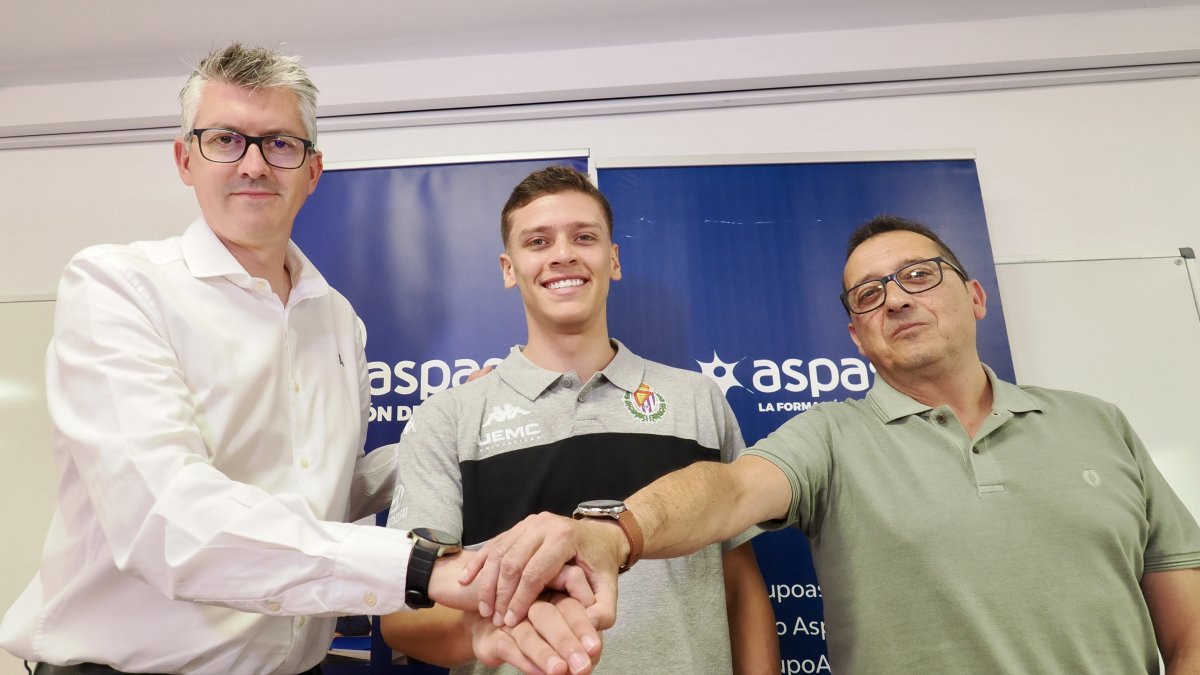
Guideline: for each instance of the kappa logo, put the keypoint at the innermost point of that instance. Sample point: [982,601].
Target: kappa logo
[645,404]
[503,413]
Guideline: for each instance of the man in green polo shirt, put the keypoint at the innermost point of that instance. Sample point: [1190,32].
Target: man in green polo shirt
[959,523]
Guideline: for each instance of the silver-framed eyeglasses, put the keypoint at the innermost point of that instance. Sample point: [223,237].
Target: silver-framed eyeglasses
[226,146]
[913,278]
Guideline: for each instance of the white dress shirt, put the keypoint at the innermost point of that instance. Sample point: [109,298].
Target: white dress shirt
[209,445]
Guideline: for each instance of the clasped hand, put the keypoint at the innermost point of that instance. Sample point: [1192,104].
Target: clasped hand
[558,632]
[546,551]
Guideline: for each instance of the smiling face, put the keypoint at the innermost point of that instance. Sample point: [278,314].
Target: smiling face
[560,256]
[248,203]
[913,335]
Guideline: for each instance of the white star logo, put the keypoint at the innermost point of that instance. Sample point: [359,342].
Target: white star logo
[721,373]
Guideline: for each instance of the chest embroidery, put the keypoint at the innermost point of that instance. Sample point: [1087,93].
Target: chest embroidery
[645,404]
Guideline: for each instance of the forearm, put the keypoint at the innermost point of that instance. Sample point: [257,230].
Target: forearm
[706,502]
[1173,598]
[439,635]
[678,514]
[1184,662]
[752,637]
[677,518]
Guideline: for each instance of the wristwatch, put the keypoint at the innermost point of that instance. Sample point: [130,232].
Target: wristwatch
[610,508]
[428,545]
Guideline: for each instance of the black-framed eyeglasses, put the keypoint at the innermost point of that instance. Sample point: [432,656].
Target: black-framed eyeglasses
[279,150]
[913,278]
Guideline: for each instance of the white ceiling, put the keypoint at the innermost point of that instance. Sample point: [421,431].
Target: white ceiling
[57,41]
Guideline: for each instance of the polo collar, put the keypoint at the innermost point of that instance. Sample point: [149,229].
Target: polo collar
[531,380]
[891,405]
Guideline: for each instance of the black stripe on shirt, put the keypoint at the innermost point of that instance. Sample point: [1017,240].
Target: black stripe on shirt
[501,490]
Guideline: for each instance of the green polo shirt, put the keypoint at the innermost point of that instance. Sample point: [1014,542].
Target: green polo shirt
[1020,550]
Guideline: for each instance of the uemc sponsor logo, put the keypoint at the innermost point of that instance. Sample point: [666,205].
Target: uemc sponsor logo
[814,376]
[509,435]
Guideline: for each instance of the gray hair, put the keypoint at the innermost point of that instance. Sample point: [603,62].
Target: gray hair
[252,68]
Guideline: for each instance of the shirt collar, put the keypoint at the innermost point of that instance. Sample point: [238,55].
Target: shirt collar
[627,370]
[891,405]
[531,380]
[207,257]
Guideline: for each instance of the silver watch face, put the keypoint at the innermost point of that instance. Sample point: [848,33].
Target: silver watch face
[437,537]
[600,508]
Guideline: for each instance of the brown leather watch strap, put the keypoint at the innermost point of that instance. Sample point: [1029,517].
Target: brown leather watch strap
[633,532]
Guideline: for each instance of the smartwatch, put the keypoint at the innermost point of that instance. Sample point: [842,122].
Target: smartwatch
[428,545]
[610,508]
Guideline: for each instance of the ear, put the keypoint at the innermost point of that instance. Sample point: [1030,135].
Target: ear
[506,269]
[978,299]
[183,161]
[854,337]
[615,274]
[316,166]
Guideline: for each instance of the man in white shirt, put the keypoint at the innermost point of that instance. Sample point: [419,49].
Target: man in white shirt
[208,395]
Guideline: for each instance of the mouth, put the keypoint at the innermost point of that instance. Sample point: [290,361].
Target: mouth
[905,328]
[565,283]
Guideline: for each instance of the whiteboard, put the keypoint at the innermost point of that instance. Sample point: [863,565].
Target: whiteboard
[1125,330]
[27,476]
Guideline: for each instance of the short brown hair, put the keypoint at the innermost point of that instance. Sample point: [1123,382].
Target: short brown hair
[549,181]
[885,223]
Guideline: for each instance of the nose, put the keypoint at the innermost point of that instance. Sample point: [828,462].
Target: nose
[563,251]
[252,164]
[895,297]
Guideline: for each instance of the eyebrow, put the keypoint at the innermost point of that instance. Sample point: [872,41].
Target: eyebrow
[274,131]
[904,263]
[573,226]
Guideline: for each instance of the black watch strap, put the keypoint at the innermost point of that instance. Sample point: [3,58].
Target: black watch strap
[428,545]
[420,570]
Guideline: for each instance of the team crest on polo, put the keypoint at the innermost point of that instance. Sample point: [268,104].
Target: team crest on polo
[646,404]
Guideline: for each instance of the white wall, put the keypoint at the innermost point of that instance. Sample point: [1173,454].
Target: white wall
[1065,170]
[1091,168]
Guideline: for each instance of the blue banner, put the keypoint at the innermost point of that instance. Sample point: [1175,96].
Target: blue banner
[416,251]
[733,271]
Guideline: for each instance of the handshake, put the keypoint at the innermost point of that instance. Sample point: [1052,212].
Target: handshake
[538,595]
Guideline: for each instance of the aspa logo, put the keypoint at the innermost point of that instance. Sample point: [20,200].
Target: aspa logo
[645,404]
[503,413]
[814,376]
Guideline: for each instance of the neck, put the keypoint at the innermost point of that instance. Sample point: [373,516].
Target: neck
[268,262]
[965,390]
[584,353]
